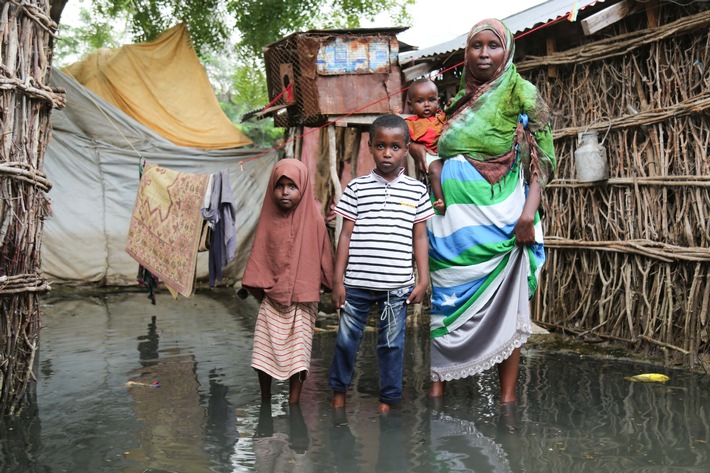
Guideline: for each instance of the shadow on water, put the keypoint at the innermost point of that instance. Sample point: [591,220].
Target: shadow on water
[125,386]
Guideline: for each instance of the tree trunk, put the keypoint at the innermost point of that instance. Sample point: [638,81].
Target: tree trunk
[56,8]
[26,102]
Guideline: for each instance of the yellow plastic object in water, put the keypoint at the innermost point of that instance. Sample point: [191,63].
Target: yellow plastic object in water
[649,378]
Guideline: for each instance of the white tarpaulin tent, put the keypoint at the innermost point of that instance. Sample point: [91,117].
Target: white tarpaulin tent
[92,161]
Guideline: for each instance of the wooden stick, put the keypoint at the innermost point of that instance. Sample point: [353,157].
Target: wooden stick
[662,344]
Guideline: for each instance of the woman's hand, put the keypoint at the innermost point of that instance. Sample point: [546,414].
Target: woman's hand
[525,231]
[525,227]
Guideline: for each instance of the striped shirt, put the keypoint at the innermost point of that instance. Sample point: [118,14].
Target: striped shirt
[380,254]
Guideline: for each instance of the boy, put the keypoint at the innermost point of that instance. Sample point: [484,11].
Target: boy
[384,224]
[425,128]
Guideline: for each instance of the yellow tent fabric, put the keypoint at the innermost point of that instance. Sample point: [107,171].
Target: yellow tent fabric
[162,85]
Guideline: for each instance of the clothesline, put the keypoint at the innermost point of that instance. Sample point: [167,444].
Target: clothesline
[241,163]
[571,16]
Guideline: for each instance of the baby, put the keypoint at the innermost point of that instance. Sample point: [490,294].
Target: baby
[425,128]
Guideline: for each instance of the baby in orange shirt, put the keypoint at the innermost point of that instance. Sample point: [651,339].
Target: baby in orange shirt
[425,128]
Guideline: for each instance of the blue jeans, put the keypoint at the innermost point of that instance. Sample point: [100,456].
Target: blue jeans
[392,309]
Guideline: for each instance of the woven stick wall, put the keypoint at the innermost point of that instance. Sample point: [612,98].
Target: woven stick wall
[630,260]
[25,106]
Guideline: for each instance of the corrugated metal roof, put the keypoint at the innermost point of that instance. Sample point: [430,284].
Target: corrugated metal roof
[344,31]
[518,23]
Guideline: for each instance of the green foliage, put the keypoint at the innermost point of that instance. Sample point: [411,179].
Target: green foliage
[236,72]
[262,22]
[257,22]
[240,85]
[205,19]
[93,33]
[250,92]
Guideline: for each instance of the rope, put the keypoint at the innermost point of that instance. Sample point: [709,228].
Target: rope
[388,316]
[289,97]
[26,173]
[140,156]
[288,90]
[22,283]
[431,76]
[386,97]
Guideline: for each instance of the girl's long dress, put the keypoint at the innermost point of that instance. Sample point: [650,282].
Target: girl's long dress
[481,280]
[283,338]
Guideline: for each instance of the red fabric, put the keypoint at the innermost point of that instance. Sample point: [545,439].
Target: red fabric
[291,257]
[426,130]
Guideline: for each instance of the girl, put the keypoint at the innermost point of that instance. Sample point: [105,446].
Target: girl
[291,260]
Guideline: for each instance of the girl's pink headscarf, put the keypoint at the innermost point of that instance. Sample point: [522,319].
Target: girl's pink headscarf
[291,257]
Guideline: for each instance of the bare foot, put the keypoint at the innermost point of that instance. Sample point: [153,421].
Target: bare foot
[439,206]
[384,408]
[338,399]
[437,388]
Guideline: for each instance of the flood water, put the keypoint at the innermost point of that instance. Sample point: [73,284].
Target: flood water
[97,408]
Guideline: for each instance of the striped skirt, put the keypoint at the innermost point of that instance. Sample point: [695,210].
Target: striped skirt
[283,338]
[481,279]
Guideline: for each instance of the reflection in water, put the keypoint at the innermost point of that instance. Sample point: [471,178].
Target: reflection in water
[149,344]
[171,417]
[458,446]
[19,443]
[284,447]
[573,414]
[343,443]
[391,451]
[221,432]
[298,431]
[265,427]
[585,409]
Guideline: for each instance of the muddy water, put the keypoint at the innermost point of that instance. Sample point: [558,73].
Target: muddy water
[124,386]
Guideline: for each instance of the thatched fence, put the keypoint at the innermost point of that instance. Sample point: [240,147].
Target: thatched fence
[629,259]
[25,106]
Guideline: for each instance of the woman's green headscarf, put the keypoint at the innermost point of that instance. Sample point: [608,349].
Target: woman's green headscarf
[483,120]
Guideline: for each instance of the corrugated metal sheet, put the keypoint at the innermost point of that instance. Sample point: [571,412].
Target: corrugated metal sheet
[333,72]
[342,32]
[518,23]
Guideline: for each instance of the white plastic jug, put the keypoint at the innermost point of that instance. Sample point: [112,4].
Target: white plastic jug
[590,158]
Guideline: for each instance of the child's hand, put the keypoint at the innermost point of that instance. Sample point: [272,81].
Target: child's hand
[439,206]
[331,213]
[417,294]
[258,293]
[338,295]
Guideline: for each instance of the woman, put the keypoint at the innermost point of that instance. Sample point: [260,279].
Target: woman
[486,252]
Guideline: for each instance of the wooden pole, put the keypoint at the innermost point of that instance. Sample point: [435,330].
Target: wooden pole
[26,102]
[335,179]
